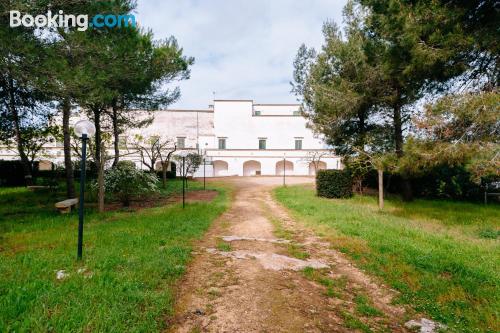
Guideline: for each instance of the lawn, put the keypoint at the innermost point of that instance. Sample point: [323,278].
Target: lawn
[131,262]
[442,256]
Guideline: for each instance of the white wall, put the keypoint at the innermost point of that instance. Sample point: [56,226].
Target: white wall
[301,166]
[235,121]
[195,125]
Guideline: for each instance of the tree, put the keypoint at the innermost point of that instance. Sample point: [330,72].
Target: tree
[22,105]
[155,149]
[115,65]
[457,130]
[447,38]
[428,46]
[165,149]
[150,66]
[314,158]
[34,140]
[412,48]
[189,164]
[345,92]
[340,89]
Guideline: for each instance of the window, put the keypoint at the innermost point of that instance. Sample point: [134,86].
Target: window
[262,144]
[296,113]
[298,144]
[257,113]
[181,142]
[222,143]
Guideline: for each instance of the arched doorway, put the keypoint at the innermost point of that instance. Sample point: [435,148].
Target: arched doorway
[288,168]
[313,166]
[251,168]
[220,168]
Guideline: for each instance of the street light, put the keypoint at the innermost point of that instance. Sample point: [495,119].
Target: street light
[204,169]
[85,130]
[183,174]
[284,169]
[204,163]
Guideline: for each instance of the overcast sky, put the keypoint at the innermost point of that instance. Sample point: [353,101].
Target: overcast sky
[243,49]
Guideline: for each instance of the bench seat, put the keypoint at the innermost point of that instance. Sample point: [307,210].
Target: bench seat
[65,206]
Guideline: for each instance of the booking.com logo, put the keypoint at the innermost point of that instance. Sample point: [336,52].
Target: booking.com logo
[61,20]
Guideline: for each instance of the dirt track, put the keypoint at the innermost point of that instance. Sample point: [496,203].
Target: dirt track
[255,284]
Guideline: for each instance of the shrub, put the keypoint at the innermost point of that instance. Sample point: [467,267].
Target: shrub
[11,173]
[125,182]
[170,174]
[334,184]
[440,182]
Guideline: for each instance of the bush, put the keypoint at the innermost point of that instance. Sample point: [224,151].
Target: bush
[440,182]
[170,174]
[125,182]
[334,184]
[12,174]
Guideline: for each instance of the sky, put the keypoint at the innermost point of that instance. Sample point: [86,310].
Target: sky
[243,49]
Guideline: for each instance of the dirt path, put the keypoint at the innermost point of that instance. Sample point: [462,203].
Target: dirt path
[249,275]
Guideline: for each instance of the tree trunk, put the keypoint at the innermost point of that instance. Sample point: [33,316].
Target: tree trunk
[380,189]
[407,192]
[362,130]
[99,160]
[27,168]
[68,164]
[116,135]
[398,131]
[164,174]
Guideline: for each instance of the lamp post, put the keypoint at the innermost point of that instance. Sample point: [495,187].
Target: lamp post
[85,130]
[284,170]
[183,174]
[183,181]
[204,163]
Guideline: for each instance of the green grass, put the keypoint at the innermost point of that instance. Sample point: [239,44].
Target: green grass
[364,307]
[223,246]
[174,186]
[434,252]
[296,251]
[354,323]
[134,259]
[333,288]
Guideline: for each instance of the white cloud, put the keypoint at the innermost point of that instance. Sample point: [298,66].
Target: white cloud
[242,49]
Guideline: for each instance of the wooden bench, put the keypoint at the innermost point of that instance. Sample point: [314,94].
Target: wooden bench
[65,206]
[37,187]
[486,195]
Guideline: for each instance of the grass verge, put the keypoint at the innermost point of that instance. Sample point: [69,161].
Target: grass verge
[431,251]
[131,261]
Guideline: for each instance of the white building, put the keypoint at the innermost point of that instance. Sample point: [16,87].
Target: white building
[238,138]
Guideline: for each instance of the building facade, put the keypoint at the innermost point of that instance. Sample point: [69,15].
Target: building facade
[236,138]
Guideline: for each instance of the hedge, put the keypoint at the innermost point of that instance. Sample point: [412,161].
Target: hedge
[12,174]
[441,182]
[334,184]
